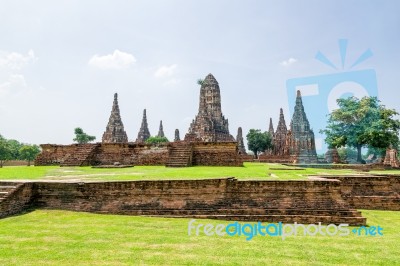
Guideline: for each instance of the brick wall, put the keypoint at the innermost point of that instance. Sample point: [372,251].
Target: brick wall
[204,153]
[374,192]
[106,153]
[53,154]
[129,153]
[216,154]
[18,200]
[227,199]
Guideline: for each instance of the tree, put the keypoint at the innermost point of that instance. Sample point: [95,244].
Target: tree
[258,141]
[200,82]
[29,152]
[14,146]
[359,123]
[81,137]
[157,140]
[5,152]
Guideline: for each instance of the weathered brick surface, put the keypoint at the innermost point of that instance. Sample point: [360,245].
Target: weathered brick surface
[204,153]
[228,199]
[104,153]
[216,154]
[374,192]
[18,199]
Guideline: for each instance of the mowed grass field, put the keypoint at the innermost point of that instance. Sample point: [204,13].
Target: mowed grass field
[248,171]
[49,237]
[54,237]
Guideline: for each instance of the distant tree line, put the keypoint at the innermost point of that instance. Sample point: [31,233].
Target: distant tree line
[11,149]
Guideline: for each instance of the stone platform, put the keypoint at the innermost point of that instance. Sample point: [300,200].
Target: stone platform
[303,201]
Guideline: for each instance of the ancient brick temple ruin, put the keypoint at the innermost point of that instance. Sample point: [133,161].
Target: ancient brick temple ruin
[115,132]
[296,145]
[209,124]
[391,158]
[177,137]
[207,143]
[161,131]
[239,139]
[144,132]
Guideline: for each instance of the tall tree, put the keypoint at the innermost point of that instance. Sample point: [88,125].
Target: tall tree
[81,137]
[258,141]
[359,123]
[29,152]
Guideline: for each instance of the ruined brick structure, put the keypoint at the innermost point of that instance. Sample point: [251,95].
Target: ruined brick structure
[280,137]
[271,127]
[239,139]
[209,124]
[391,158]
[271,132]
[144,132]
[200,153]
[332,156]
[161,130]
[115,132]
[177,137]
[305,201]
[302,140]
[296,145]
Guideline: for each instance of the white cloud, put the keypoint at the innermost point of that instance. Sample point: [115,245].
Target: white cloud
[165,71]
[116,60]
[288,62]
[15,84]
[16,61]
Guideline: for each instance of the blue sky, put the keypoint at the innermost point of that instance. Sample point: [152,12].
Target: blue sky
[61,61]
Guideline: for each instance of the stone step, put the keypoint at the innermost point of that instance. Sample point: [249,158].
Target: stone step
[7,187]
[249,211]
[305,219]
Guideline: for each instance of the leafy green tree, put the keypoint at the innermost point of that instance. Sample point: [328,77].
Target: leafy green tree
[258,141]
[157,140]
[200,82]
[14,146]
[5,152]
[81,137]
[360,123]
[29,152]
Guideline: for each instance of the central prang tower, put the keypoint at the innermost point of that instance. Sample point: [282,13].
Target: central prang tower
[209,124]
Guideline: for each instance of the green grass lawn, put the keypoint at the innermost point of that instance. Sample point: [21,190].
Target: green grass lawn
[249,171]
[47,237]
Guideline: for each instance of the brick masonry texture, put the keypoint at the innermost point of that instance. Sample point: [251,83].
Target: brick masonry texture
[373,192]
[204,153]
[226,199]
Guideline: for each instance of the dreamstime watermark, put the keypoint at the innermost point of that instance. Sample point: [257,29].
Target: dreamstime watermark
[250,230]
[319,93]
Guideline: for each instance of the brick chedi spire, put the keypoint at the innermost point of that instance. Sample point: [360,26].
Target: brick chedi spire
[302,137]
[280,136]
[209,124]
[240,142]
[271,127]
[115,128]
[161,131]
[271,132]
[177,137]
[144,132]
